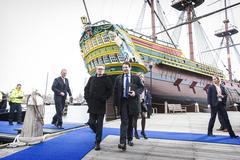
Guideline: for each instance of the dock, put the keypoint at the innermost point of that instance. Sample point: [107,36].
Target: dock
[171,136]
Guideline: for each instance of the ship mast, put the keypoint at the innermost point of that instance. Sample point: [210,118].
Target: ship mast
[190,36]
[154,37]
[89,21]
[188,5]
[226,21]
[226,33]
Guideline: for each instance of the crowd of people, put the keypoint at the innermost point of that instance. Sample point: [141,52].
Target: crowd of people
[130,98]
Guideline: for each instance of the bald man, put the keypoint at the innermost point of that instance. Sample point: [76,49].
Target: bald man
[60,88]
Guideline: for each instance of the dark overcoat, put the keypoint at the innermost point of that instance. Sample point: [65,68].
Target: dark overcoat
[96,93]
[59,86]
[136,85]
[212,96]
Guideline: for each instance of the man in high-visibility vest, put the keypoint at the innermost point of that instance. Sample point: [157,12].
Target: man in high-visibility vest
[15,100]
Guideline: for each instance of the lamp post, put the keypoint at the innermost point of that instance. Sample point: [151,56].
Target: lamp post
[150,69]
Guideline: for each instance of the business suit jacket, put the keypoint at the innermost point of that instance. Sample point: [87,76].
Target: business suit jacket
[96,92]
[59,86]
[212,96]
[136,85]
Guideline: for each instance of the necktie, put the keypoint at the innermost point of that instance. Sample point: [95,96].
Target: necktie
[126,86]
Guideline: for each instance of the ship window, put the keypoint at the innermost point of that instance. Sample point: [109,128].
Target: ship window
[90,45]
[89,66]
[106,59]
[112,37]
[83,49]
[106,38]
[100,61]
[99,39]
[95,62]
[113,58]
[86,46]
[92,64]
[94,42]
[121,58]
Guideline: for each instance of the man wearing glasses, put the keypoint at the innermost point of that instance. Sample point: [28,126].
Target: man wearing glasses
[96,93]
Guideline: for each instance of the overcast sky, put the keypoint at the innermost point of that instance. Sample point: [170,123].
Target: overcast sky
[41,36]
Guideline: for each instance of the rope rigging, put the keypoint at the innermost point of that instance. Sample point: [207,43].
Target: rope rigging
[138,27]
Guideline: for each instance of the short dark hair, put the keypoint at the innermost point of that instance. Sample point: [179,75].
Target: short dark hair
[216,76]
[127,63]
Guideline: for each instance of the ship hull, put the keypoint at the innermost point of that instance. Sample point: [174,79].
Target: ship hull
[164,88]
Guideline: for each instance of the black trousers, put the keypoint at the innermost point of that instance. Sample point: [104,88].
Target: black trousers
[220,109]
[143,122]
[18,108]
[96,123]
[59,105]
[221,120]
[3,106]
[126,127]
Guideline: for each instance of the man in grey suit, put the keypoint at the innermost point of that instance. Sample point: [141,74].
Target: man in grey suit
[60,88]
[127,89]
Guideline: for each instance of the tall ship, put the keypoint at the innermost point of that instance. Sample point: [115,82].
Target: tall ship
[169,76]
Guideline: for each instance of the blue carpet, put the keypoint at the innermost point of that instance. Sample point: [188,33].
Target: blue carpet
[71,146]
[181,136]
[76,144]
[7,129]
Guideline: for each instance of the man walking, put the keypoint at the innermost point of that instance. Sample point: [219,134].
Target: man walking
[60,88]
[96,93]
[127,89]
[15,100]
[217,98]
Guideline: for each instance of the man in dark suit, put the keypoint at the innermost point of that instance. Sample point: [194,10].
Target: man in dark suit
[127,89]
[222,124]
[96,93]
[60,88]
[217,98]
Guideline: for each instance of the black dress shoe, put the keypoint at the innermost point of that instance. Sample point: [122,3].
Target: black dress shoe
[123,147]
[97,147]
[136,135]
[60,127]
[220,129]
[144,135]
[10,123]
[234,136]
[211,135]
[130,143]
[19,122]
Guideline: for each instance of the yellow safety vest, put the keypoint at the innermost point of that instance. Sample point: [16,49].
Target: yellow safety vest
[16,96]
